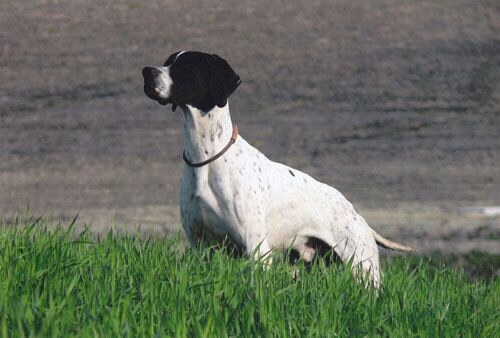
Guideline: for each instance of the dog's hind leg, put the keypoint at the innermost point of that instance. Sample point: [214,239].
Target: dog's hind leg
[363,257]
[354,243]
[362,253]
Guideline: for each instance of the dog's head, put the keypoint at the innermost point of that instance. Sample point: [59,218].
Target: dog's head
[199,79]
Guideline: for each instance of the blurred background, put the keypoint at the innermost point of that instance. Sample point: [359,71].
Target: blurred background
[395,103]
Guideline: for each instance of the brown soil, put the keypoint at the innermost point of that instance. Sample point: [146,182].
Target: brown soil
[395,103]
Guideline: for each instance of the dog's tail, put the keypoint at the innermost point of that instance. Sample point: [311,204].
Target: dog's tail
[385,243]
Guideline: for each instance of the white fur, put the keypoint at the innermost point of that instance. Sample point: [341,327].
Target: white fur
[164,82]
[180,53]
[261,205]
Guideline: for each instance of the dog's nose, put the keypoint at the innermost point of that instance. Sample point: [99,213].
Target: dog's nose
[150,72]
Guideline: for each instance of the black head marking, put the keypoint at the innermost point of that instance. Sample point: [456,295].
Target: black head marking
[222,82]
[171,59]
[198,79]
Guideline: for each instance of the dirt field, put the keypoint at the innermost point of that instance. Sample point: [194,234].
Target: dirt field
[395,103]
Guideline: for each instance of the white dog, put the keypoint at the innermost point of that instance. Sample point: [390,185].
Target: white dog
[230,190]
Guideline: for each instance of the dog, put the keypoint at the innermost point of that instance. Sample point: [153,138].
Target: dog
[231,191]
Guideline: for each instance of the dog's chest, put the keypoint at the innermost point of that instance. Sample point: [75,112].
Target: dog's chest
[202,207]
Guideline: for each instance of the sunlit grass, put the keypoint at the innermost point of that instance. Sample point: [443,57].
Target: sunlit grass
[56,283]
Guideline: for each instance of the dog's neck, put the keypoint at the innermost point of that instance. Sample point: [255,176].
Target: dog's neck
[206,133]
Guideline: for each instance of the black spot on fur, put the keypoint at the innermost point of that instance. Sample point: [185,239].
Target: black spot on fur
[219,131]
[323,250]
[291,172]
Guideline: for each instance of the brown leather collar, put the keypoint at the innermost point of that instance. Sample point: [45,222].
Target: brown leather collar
[216,156]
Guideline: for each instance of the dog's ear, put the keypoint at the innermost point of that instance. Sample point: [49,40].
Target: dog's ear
[222,80]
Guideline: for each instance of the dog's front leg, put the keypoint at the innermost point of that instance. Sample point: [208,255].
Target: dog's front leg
[254,240]
[259,248]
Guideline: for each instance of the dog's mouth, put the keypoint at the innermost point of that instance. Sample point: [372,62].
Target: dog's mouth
[151,92]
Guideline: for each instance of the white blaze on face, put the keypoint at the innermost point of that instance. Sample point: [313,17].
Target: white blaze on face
[164,82]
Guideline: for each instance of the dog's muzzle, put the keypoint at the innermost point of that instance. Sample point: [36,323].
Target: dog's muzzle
[151,85]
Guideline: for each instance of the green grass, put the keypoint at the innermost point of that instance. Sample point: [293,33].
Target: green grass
[53,284]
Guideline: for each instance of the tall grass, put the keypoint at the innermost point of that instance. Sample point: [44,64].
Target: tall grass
[53,283]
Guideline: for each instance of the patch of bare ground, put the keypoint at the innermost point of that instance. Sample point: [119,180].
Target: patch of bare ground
[394,103]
